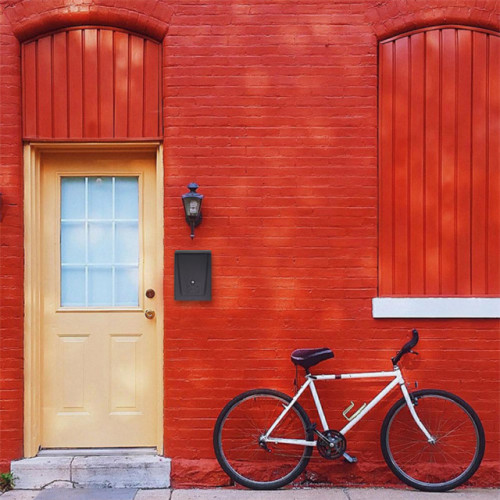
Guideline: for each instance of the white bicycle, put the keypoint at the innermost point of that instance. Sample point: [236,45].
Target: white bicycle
[431,439]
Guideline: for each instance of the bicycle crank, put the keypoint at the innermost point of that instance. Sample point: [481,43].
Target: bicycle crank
[331,444]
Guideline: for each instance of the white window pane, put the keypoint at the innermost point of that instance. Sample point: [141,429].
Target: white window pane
[127,198]
[126,287]
[73,197]
[126,243]
[73,287]
[100,197]
[73,242]
[100,287]
[99,250]
[100,243]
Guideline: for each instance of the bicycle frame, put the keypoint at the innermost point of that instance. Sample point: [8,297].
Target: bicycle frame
[398,379]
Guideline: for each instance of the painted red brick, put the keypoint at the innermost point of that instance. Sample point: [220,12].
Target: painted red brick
[11,250]
[271,107]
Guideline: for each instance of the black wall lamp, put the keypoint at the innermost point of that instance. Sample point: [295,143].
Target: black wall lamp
[192,206]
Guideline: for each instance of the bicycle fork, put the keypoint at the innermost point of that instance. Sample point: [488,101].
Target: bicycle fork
[411,407]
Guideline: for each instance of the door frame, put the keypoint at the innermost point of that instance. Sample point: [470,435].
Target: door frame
[32,279]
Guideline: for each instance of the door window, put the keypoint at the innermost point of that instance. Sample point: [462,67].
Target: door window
[99,241]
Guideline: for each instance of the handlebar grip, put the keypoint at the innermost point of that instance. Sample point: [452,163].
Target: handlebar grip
[406,348]
[412,343]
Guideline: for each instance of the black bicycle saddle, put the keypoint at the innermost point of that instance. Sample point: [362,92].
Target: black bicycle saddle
[310,357]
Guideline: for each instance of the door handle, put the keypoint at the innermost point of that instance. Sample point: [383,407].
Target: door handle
[149,313]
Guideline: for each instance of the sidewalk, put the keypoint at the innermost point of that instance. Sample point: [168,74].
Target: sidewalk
[236,494]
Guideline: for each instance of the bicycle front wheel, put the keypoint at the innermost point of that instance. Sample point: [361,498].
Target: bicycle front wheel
[448,462]
[238,446]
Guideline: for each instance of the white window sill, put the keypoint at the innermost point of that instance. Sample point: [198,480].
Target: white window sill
[435,307]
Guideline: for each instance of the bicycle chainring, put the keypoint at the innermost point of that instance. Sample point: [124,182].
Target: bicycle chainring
[334,448]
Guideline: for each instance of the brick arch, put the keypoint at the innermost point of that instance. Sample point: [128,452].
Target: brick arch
[32,18]
[393,17]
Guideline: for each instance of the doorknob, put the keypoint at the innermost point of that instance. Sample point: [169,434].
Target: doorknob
[149,313]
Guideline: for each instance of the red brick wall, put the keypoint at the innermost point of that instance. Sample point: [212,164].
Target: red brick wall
[11,250]
[271,107]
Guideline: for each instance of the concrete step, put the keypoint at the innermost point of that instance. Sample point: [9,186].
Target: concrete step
[108,471]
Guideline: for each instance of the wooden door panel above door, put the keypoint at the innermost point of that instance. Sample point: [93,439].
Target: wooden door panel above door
[91,84]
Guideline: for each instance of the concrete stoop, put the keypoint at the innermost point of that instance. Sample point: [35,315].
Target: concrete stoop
[113,471]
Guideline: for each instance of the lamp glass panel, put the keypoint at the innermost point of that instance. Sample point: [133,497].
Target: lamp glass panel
[192,206]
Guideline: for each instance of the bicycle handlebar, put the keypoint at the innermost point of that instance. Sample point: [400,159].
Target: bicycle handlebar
[406,348]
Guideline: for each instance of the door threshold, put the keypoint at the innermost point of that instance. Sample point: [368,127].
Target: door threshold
[96,452]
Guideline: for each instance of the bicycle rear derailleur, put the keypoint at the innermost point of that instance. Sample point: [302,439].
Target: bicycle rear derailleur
[331,444]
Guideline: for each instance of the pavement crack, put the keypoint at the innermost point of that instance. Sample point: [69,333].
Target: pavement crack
[71,471]
[56,482]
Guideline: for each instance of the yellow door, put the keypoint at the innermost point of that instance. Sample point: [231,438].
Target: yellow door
[99,348]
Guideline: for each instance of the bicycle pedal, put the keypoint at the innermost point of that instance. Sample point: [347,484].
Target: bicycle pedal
[348,458]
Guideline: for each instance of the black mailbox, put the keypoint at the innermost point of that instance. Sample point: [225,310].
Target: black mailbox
[193,275]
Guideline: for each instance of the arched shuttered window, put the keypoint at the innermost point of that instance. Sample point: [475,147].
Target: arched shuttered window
[439,149]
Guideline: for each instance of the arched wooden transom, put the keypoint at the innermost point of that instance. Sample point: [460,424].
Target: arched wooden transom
[91,84]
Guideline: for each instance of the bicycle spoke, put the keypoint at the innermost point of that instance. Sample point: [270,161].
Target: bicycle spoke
[452,431]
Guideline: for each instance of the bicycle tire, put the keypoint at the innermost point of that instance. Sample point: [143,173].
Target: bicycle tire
[236,440]
[459,446]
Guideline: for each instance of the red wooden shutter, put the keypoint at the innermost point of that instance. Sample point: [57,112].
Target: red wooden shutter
[439,171]
[91,84]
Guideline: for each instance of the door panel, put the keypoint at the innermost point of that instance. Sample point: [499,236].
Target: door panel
[99,375]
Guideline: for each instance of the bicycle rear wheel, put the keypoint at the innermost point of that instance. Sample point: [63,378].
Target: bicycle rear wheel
[237,435]
[451,460]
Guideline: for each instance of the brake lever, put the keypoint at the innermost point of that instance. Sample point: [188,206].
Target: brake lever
[414,352]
